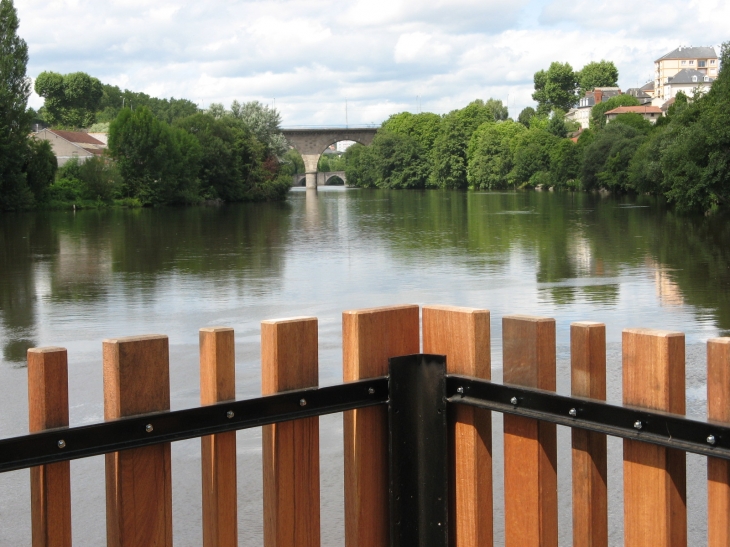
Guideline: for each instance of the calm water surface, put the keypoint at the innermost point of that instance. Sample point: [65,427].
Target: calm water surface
[73,279]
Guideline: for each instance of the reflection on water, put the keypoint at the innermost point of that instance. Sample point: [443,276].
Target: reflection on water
[73,279]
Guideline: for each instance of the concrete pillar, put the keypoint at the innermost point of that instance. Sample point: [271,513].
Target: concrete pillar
[310,168]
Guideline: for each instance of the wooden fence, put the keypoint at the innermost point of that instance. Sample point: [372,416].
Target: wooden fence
[138,480]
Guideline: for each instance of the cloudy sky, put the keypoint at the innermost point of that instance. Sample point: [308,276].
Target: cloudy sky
[312,57]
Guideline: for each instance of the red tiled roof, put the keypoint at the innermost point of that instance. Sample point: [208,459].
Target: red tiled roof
[76,137]
[635,110]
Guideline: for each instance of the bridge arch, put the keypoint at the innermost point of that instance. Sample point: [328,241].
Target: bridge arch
[311,143]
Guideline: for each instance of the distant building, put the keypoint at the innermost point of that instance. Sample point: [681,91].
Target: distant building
[701,59]
[648,88]
[582,112]
[650,113]
[688,81]
[71,144]
[642,96]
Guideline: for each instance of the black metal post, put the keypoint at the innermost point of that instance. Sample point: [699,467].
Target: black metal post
[418,451]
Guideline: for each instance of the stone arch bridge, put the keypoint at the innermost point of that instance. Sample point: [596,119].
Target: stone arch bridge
[311,142]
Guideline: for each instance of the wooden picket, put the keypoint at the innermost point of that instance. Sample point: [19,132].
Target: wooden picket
[138,480]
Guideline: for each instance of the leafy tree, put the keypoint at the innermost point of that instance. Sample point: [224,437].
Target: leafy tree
[449,168]
[607,158]
[556,126]
[532,155]
[491,154]
[292,162]
[598,118]
[499,110]
[158,163]
[637,121]
[14,119]
[526,115]
[264,122]
[597,74]
[423,127]
[166,110]
[40,167]
[71,100]
[358,169]
[555,88]
[565,162]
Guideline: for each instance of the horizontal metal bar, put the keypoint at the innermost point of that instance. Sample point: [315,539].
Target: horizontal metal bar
[92,440]
[670,430]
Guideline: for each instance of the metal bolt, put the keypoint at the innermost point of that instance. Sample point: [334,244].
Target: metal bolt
[230,414]
[371,390]
[148,428]
[711,439]
[61,444]
[573,412]
[302,402]
[460,390]
[638,424]
[513,400]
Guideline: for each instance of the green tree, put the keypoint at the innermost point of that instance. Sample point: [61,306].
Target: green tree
[597,74]
[40,167]
[555,88]
[359,166]
[490,154]
[423,127]
[499,110]
[565,163]
[556,126]
[637,121]
[158,163]
[292,162]
[14,119]
[167,110]
[264,122]
[607,158]
[532,156]
[526,115]
[449,168]
[71,100]
[598,118]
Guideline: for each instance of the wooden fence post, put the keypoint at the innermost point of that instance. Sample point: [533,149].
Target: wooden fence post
[655,500]
[289,360]
[50,485]
[218,452]
[138,481]
[463,335]
[530,446]
[369,338]
[718,471]
[588,379]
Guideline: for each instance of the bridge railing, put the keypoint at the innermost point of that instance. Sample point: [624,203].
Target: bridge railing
[417,433]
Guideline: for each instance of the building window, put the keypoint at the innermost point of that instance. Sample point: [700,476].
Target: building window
[691,62]
[712,61]
[684,63]
[701,64]
[694,78]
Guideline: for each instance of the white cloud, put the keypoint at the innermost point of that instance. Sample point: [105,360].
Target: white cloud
[381,55]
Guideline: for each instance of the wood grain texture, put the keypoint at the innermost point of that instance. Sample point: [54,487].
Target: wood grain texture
[50,485]
[718,471]
[588,379]
[289,360]
[655,506]
[218,452]
[138,481]
[463,335]
[530,446]
[369,338]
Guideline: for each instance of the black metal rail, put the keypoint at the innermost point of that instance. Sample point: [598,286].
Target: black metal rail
[70,443]
[670,430]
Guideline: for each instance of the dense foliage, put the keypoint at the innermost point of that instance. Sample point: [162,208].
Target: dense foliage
[684,157]
[71,100]
[26,167]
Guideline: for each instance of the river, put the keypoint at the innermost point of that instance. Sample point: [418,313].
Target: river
[72,279]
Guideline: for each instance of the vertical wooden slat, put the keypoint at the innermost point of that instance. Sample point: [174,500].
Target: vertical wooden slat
[218,452]
[138,481]
[50,485]
[655,506]
[370,338]
[588,379]
[463,335]
[718,471]
[530,446]
[289,360]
